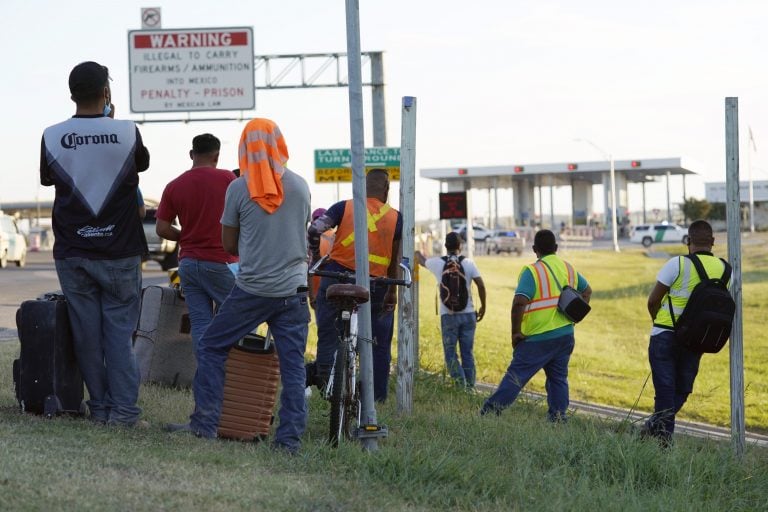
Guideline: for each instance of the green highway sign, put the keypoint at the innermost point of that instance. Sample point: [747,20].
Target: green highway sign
[335,165]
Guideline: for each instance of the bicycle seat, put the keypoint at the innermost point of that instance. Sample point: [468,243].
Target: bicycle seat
[347,292]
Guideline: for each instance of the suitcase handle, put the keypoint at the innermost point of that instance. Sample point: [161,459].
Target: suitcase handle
[256,344]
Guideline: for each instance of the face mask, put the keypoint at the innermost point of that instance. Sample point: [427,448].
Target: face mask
[107,109]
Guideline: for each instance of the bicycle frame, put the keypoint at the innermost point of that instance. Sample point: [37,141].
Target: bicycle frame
[342,389]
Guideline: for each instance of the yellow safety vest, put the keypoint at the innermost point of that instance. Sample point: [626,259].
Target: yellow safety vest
[541,314]
[681,288]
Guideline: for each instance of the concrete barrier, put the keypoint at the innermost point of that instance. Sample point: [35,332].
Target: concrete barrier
[569,241]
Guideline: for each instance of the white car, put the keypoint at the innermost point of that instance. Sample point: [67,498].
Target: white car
[13,245]
[648,234]
[504,240]
[479,232]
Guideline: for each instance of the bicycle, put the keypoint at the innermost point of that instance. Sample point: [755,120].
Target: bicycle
[342,388]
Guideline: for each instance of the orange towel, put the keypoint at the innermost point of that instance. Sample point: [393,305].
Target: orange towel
[263,154]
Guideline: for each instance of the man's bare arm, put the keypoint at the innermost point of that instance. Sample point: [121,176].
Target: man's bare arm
[167,230]
[229,239]
[655,298]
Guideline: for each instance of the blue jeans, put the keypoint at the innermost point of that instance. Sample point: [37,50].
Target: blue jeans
[329,333]
[674,368]
[459,328]
[527,359]
[103,298]
[205,284]
[241,313]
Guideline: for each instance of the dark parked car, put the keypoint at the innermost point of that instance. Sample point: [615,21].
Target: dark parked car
[165,252]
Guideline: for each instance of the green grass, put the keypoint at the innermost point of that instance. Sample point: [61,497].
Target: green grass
[610,362]
[443,457]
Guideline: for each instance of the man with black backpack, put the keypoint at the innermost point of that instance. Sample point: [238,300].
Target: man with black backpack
[458,318]
[692,313]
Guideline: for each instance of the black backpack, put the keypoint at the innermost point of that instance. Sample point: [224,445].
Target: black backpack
[705,324]
[453,285]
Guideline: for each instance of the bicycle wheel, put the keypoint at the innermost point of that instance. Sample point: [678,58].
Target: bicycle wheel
[340,419]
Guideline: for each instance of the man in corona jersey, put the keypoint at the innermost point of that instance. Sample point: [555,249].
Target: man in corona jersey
[94,161]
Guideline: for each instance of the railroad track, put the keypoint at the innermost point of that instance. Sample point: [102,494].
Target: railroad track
[690,428]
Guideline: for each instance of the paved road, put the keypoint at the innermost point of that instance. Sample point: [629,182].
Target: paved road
[38,277]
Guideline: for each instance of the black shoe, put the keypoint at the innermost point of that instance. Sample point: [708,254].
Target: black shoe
[487,409]
[177,427]
[282,448]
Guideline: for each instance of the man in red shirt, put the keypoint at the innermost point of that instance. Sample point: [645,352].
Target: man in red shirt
[197,199]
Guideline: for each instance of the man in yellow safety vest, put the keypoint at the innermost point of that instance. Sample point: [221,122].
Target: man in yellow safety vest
[673,366]
[542,336]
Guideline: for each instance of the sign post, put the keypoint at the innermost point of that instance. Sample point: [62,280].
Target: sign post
[407,344]
[335,165]
[188,70]
[733,217]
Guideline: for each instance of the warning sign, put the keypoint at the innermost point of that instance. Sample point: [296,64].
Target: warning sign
[191,70]
[150,18]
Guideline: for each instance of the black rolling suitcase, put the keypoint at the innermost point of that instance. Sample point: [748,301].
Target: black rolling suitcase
[46,375]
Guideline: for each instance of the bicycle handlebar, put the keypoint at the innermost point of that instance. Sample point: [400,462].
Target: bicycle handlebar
[350,276]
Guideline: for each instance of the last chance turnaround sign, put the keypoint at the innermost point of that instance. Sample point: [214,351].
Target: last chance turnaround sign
[188,70]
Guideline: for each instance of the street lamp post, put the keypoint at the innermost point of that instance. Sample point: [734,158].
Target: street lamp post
[614,227]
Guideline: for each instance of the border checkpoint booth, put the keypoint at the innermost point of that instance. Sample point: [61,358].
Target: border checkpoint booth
[529,180]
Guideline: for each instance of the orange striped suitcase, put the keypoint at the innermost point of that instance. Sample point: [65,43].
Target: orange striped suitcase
[250,389]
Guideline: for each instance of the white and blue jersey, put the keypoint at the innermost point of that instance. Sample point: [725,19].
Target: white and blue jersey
[94,161]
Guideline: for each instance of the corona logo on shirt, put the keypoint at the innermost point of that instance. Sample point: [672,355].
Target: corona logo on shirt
[72,140]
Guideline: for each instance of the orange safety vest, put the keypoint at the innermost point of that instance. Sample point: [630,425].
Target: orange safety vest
[382,220]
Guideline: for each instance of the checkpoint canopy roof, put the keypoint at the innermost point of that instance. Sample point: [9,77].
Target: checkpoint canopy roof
[634,171]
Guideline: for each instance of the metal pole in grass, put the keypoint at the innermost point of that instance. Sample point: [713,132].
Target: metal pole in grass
[733,216]
[368,414]
[406,343]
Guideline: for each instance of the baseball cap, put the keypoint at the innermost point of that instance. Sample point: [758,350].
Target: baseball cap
[87,79]
[318,213]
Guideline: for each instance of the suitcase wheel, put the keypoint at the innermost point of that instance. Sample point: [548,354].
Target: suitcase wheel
[51,406]
[17,378]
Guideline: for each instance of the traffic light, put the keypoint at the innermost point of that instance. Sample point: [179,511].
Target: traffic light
[462,172]
[636,163]
[573,167]
[519,168]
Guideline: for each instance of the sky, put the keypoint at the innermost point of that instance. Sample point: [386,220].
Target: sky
[497,83]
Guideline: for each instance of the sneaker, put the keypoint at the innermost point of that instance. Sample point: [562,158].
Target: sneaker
[177,427]
[488,409]
[283,448]
[139,424]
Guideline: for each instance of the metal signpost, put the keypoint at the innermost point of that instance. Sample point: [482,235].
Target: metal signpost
[733,216]
[356,130]
[191,70]
[407,314]
[335,165]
